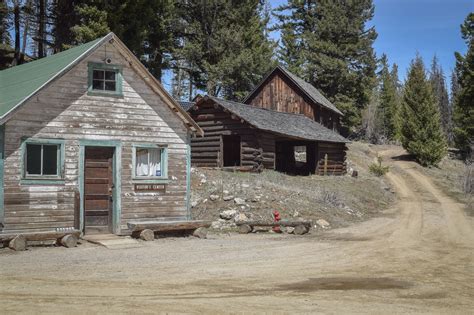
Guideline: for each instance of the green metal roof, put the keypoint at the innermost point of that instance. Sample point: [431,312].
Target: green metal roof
[18,83]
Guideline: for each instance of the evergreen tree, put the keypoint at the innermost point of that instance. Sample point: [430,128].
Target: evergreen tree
[421,130]
[92,23]
[464,97]
[7,53]
[64,16]
[398,99]
[226,45]
[388,107]
[438,84]
[333,46]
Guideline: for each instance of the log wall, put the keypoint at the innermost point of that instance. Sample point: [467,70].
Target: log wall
[63,110]
[207,150]
[336,153]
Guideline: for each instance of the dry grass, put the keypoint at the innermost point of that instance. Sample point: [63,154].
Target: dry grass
[339,200]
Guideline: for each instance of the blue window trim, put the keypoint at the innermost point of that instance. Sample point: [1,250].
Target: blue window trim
[163,179]
[43,179]
[118,79]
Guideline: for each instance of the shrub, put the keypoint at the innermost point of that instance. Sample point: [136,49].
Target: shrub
[377,168]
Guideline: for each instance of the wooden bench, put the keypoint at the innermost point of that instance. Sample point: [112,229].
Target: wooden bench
[301,227]
[18,241]
[146,229]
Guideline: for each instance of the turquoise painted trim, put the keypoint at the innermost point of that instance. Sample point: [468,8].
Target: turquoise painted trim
[42,181]
[151,181]
[117,170]
[81,186]
[164,162]
[37,179]
[118,79]
[188,178]
[2,163]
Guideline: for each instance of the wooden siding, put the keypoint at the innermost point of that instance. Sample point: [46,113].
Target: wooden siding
[281,94]
[336,155]
[63,110]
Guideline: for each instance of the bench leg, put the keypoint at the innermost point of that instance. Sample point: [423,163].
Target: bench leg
[18,243]
[147,235]
[200,232]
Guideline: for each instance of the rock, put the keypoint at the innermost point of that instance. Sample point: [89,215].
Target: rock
[200,232]
[245,185]
[300,230]
[323,223]
[227,198]
[295,213]
[147,235]
[239,201]
[256,199]
[240,217]
[228,214]
[203,181]
[194,204]
[226,192]
[355,173]
[289,229]
[18,243]
[213,197]
[217,225]
[244,229]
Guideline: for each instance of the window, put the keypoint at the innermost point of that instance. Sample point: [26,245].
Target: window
[149,163]
[105,79]
[42,159]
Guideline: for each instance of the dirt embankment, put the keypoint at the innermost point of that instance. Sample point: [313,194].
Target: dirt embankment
[338,200]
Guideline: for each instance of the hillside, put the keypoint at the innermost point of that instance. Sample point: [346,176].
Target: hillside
[339,201]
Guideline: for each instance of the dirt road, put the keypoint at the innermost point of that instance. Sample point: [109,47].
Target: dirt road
[417,258]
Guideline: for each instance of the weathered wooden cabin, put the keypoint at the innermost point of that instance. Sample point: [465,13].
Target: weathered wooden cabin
[252,138]
[283,91]
[89,139]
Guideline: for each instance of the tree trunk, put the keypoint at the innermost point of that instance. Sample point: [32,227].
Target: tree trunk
[16,13]
[26,28]
[41,28]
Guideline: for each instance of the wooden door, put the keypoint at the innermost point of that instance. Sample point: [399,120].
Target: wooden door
[98,189]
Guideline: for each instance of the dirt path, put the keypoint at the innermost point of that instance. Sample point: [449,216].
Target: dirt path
[416,259]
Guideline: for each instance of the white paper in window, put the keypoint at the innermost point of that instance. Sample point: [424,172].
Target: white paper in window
[155,162]
[141,162]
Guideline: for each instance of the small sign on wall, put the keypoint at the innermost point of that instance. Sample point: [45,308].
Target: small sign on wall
[150,187]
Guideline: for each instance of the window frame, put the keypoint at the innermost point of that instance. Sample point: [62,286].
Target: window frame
[43,179]
[105,67]
[163,179]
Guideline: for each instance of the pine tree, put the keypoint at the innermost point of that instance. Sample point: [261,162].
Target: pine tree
[7,53]
[464,97]
[398,99]
[421,130]
[64,17]
[388,107]
[333,47]
[93,24]
[227,46]
[440,91]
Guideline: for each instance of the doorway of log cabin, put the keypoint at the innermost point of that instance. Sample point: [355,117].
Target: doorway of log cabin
[231,150]
[98,189]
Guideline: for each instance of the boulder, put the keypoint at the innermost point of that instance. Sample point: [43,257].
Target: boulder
[239,201]
[200,232]
[289,229]
[228,198]
[240,217]
[228,214]
[217,225]
[323,223]
[213,197]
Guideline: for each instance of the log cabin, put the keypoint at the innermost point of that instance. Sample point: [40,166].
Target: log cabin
[90,140]
[246,137]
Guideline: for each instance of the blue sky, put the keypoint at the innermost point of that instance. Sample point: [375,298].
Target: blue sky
[406,27]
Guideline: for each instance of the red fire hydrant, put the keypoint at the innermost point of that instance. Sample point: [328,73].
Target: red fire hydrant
[276,218]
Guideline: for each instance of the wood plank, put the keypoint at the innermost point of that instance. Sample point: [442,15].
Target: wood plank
[161,226]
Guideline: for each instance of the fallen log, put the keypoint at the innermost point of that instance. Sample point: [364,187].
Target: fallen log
[18,243]
[68,241]
[295,223]
[39,236]
[147,235]
[162,226]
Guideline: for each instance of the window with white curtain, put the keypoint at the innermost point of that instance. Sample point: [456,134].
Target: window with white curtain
[148,162]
